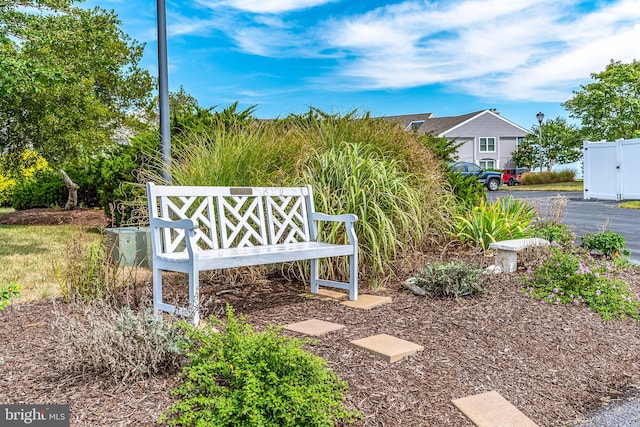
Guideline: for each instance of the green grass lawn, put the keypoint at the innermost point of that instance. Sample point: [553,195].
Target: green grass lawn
[632,204]
[28,255]
[6,210]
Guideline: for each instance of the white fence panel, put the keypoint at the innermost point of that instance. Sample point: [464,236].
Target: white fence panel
[600,170]
[611,170]
[630,169]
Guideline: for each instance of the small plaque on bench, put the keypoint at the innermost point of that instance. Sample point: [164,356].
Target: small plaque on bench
[240,191]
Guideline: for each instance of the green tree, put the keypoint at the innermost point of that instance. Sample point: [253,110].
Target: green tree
[560,143]
[609,107]
[527,152]
[69,79]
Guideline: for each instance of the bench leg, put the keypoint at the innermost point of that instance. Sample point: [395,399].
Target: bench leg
[353,277]
[507,261]
[315,265]
[157,293]
[194,295]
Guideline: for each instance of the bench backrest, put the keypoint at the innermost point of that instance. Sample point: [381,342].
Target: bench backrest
[234,217]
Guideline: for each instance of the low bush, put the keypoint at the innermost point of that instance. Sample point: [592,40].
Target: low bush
[125,344]
[468,191]
[449,279]
[558,233]
[87,274]
[7,293]
[504,219]
[533,178]
[45,189]
[240,377]
[577,278]
[609,243]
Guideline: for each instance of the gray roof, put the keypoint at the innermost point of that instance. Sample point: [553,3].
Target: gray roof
[428,123]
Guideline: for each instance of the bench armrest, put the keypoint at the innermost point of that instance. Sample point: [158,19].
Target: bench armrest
[348,218]
[185,224]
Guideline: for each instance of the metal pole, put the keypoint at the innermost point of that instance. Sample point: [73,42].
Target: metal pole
[163,91]
[540,118]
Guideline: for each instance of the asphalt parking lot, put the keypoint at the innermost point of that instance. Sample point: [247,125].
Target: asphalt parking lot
[589,216]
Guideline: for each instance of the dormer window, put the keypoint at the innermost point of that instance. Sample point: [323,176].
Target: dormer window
[415,125]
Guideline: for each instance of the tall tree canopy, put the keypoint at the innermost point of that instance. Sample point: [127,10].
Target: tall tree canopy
[560,143]
[69,78]
[609,107]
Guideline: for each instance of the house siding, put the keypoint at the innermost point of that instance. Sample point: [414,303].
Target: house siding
[486,125]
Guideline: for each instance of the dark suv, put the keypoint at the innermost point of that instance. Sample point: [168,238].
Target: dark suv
[490,179]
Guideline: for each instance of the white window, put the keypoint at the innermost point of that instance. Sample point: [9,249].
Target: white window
[487,164]
[487,144]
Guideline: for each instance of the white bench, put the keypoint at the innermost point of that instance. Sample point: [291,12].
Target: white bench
[507,256]
[194,229]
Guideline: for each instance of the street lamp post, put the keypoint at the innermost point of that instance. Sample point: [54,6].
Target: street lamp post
[163,91]
[540,117]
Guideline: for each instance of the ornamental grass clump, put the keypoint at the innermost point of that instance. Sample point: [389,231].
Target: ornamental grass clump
[506,218]
[240,377]
[579,279]
[450,279]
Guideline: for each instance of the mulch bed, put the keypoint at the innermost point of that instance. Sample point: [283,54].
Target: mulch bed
[555,363]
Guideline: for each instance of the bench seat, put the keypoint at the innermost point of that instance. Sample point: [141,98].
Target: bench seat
[257,255]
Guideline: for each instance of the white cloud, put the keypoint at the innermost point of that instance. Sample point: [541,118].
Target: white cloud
[526,49]
[502,49]
[264,6]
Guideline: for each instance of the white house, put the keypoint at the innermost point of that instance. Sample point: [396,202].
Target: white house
[487,138]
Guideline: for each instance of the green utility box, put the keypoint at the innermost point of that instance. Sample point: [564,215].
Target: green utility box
[129,246]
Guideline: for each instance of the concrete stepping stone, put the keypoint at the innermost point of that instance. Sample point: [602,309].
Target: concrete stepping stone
[492,410]
[314,327]
[367,302]
[326,294]
[388,347]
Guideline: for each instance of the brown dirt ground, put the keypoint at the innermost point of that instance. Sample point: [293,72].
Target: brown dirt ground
[555,363]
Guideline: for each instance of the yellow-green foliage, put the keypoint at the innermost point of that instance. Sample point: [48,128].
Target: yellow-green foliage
[29,163]
[6,188]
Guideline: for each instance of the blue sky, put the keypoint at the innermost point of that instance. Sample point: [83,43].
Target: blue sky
[386,57]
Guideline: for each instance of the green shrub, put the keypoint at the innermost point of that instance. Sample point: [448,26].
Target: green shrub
[504,219]
[609,243]
[559,233]
[449,279]
[578,279]
[468,191]
[240,377]
[7,293]
[45,189]
[534,178]
[125,344]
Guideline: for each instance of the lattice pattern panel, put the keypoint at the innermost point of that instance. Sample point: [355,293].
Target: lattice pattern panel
[200,209]
[242,221]
[287,219]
